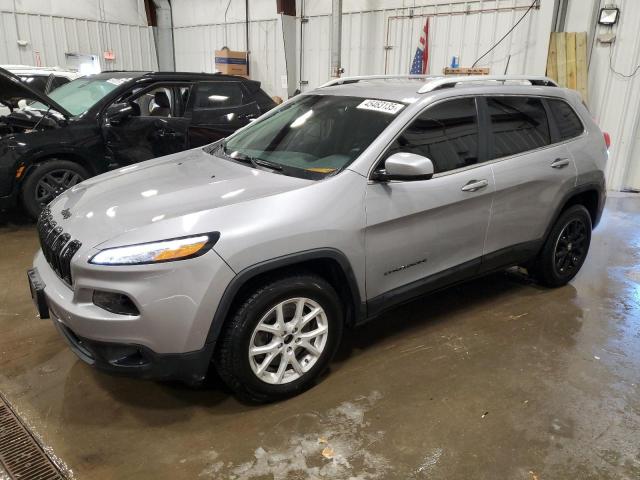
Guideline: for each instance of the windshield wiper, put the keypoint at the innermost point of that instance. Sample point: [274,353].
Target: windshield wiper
[267,163]
[244,158]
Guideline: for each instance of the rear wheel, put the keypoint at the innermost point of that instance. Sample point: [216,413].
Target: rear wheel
[281,338]
[47,181]
[566,247]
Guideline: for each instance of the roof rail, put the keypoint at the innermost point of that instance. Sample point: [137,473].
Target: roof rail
[448,82]
[343,80]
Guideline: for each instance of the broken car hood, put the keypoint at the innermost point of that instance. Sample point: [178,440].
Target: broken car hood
[13,89]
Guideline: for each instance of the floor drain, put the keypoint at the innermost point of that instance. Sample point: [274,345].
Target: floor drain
[20,454]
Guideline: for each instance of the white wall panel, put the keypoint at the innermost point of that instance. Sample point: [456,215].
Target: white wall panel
[462,28]
[195,48]
[458,27]
[614,100]
[50,35]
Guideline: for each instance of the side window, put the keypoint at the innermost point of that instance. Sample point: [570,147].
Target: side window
[567,121]
[218,95]
[37,82]
[162,101]
[265,102]
[446,133]
[518,124]
[58,82]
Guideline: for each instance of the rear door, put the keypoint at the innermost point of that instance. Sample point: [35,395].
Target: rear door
[218,109]
[421,232]
[532,170]
[159,127]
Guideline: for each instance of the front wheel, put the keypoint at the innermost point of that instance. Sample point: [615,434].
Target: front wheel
[281,338]
[47,181]
[566,248]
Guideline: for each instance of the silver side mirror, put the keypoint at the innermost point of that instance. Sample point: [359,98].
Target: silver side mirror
[406,167]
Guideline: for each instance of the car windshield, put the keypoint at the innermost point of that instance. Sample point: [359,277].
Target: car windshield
[315,135]
[80,95]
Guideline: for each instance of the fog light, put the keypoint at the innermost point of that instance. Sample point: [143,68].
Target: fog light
[115,303]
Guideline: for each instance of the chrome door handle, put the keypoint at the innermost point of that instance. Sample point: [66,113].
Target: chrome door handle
[475,185]
[560,163]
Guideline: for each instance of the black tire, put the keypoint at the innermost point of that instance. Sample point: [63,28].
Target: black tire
[231,358]
[565,249]
[48,173]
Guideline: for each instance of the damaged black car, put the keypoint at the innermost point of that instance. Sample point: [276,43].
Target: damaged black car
[110,120]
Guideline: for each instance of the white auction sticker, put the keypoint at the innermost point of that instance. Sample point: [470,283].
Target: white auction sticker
[381,106]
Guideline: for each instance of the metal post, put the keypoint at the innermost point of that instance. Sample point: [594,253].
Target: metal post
[336,39]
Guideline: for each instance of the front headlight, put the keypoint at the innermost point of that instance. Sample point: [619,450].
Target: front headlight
[157,252]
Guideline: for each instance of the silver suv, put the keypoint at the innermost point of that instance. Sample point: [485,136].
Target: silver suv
[255,252]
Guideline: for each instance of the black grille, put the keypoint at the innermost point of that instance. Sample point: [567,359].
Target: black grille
[58,247]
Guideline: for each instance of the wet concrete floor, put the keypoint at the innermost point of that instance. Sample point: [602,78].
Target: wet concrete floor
[495,379]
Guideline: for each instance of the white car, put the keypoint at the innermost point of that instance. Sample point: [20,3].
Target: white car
[42,79]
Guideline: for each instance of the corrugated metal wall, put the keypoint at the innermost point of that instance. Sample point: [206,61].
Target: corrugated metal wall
[51,36]
[374,41]
[614,97]
[385,40]
[195,49]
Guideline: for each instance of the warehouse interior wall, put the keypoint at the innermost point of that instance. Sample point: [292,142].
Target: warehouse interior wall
[51,28]
[614,85]
[379,36]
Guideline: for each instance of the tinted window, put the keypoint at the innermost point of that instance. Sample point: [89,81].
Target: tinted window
[37,82]
[265,102]
[218,95]
[446,133]
[518,124]
[58,82]
[568,123]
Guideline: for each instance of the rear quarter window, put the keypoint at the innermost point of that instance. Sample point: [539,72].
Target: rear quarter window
[567,121]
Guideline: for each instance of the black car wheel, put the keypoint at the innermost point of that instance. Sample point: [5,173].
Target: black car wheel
[47,181]
[566,247]
[280,338]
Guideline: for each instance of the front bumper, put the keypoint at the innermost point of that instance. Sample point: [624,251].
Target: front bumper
[167,340]
[137,360]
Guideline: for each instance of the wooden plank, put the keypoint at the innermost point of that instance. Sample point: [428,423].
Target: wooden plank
[552,58]
[561,52]
[466,71]
[581,64]
[571,61]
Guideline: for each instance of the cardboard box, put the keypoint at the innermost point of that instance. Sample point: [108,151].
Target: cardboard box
[231,62]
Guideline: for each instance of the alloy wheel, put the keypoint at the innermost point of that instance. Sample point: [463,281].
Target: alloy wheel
[570,247]
[288,340]
[54,183]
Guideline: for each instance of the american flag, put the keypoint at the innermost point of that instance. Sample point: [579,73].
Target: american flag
[420,63]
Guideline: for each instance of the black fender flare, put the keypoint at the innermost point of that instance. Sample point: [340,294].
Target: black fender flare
[232,289]
[598,186]
[33,159]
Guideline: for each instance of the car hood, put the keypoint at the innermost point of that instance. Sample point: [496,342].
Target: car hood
[185,185]
[13,89]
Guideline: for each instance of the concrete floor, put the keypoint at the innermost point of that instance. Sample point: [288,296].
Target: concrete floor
[498,378]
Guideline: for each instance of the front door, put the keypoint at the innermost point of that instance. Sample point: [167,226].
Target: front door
[421,233]
[157,128]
